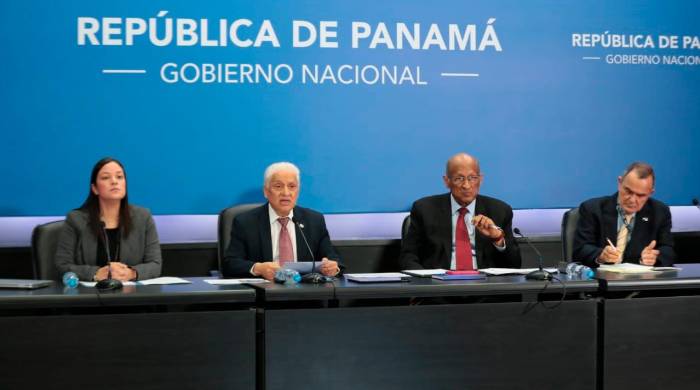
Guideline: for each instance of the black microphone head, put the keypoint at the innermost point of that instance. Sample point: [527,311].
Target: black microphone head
[517,231]
[696,202]
[296,221]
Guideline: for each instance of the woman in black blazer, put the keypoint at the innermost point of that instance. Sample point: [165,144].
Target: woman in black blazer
[106,233]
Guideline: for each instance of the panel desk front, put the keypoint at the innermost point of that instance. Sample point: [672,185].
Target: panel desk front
[188,336]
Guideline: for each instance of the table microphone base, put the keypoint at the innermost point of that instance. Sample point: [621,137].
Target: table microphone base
[539,274]
[108,284]
[313,278]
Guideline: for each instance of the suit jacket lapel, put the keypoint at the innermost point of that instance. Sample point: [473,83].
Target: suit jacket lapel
[642,222]
[265,233]
[89,244]
[610,220]
[302,252]
[479,239]
[444,216]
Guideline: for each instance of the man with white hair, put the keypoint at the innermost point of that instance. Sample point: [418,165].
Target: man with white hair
[267,237]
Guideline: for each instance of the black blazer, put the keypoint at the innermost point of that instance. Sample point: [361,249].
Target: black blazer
[77,246]
[598,222]
[251,240]
[428,243]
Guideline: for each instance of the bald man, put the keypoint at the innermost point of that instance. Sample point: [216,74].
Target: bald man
[461,229]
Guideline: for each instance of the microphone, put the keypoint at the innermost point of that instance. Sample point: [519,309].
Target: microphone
[312,277]
[109,283]
[539,274]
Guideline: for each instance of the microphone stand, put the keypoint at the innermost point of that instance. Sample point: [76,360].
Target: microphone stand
[109,283]
[539,274]
[312,277]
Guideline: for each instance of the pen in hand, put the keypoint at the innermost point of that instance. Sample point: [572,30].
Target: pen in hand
[610,243]
[607,253]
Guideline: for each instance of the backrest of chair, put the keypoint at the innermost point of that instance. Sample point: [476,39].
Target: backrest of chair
[44,243]
[404,226]
[568,230]
[226,217]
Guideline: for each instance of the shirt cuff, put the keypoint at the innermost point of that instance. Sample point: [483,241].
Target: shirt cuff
[500,248]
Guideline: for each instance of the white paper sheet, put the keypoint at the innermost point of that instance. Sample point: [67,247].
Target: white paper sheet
[513,271]
[164,280]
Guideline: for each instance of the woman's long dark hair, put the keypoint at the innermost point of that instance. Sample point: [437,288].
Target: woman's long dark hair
[92,203]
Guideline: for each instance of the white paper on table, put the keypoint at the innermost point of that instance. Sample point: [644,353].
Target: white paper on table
[303,267]
[627,268]
[92,284]
[667,268]
[164,280]
[224,282]
[513,271]
[424,272]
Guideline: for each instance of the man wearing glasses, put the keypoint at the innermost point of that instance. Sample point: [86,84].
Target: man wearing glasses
[460,230]
[628,226]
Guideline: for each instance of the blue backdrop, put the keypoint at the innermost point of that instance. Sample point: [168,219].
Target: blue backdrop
[554,114]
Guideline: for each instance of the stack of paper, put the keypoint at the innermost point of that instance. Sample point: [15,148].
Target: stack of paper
[378,277]
[424,273]
[631,268]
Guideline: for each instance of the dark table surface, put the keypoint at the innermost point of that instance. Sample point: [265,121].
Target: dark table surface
[56,295]
[423,287]
[688,277]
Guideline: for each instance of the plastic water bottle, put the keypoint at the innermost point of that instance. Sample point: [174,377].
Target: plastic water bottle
[70,280]
[579,270]
[287,276]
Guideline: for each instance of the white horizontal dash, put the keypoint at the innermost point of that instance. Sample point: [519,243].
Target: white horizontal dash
[123,71]
[459,74]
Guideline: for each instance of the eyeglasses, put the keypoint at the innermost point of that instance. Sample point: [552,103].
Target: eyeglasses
[471,179]
[279,187]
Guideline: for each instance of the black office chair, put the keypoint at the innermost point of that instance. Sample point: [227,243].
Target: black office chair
[44,242]
[404,226]
[226,217]
[568,229]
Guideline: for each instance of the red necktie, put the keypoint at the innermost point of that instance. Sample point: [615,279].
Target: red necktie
[285,243]
[463,245]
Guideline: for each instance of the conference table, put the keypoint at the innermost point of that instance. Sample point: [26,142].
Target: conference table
[184,336]
[505,332]
[651,333]
[426,333]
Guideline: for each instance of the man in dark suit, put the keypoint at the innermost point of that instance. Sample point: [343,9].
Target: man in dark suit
[267,237]
[461,229]
[628,226]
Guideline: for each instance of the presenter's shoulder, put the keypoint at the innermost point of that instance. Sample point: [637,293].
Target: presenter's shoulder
[77,217]
[493,202]
[432,200]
